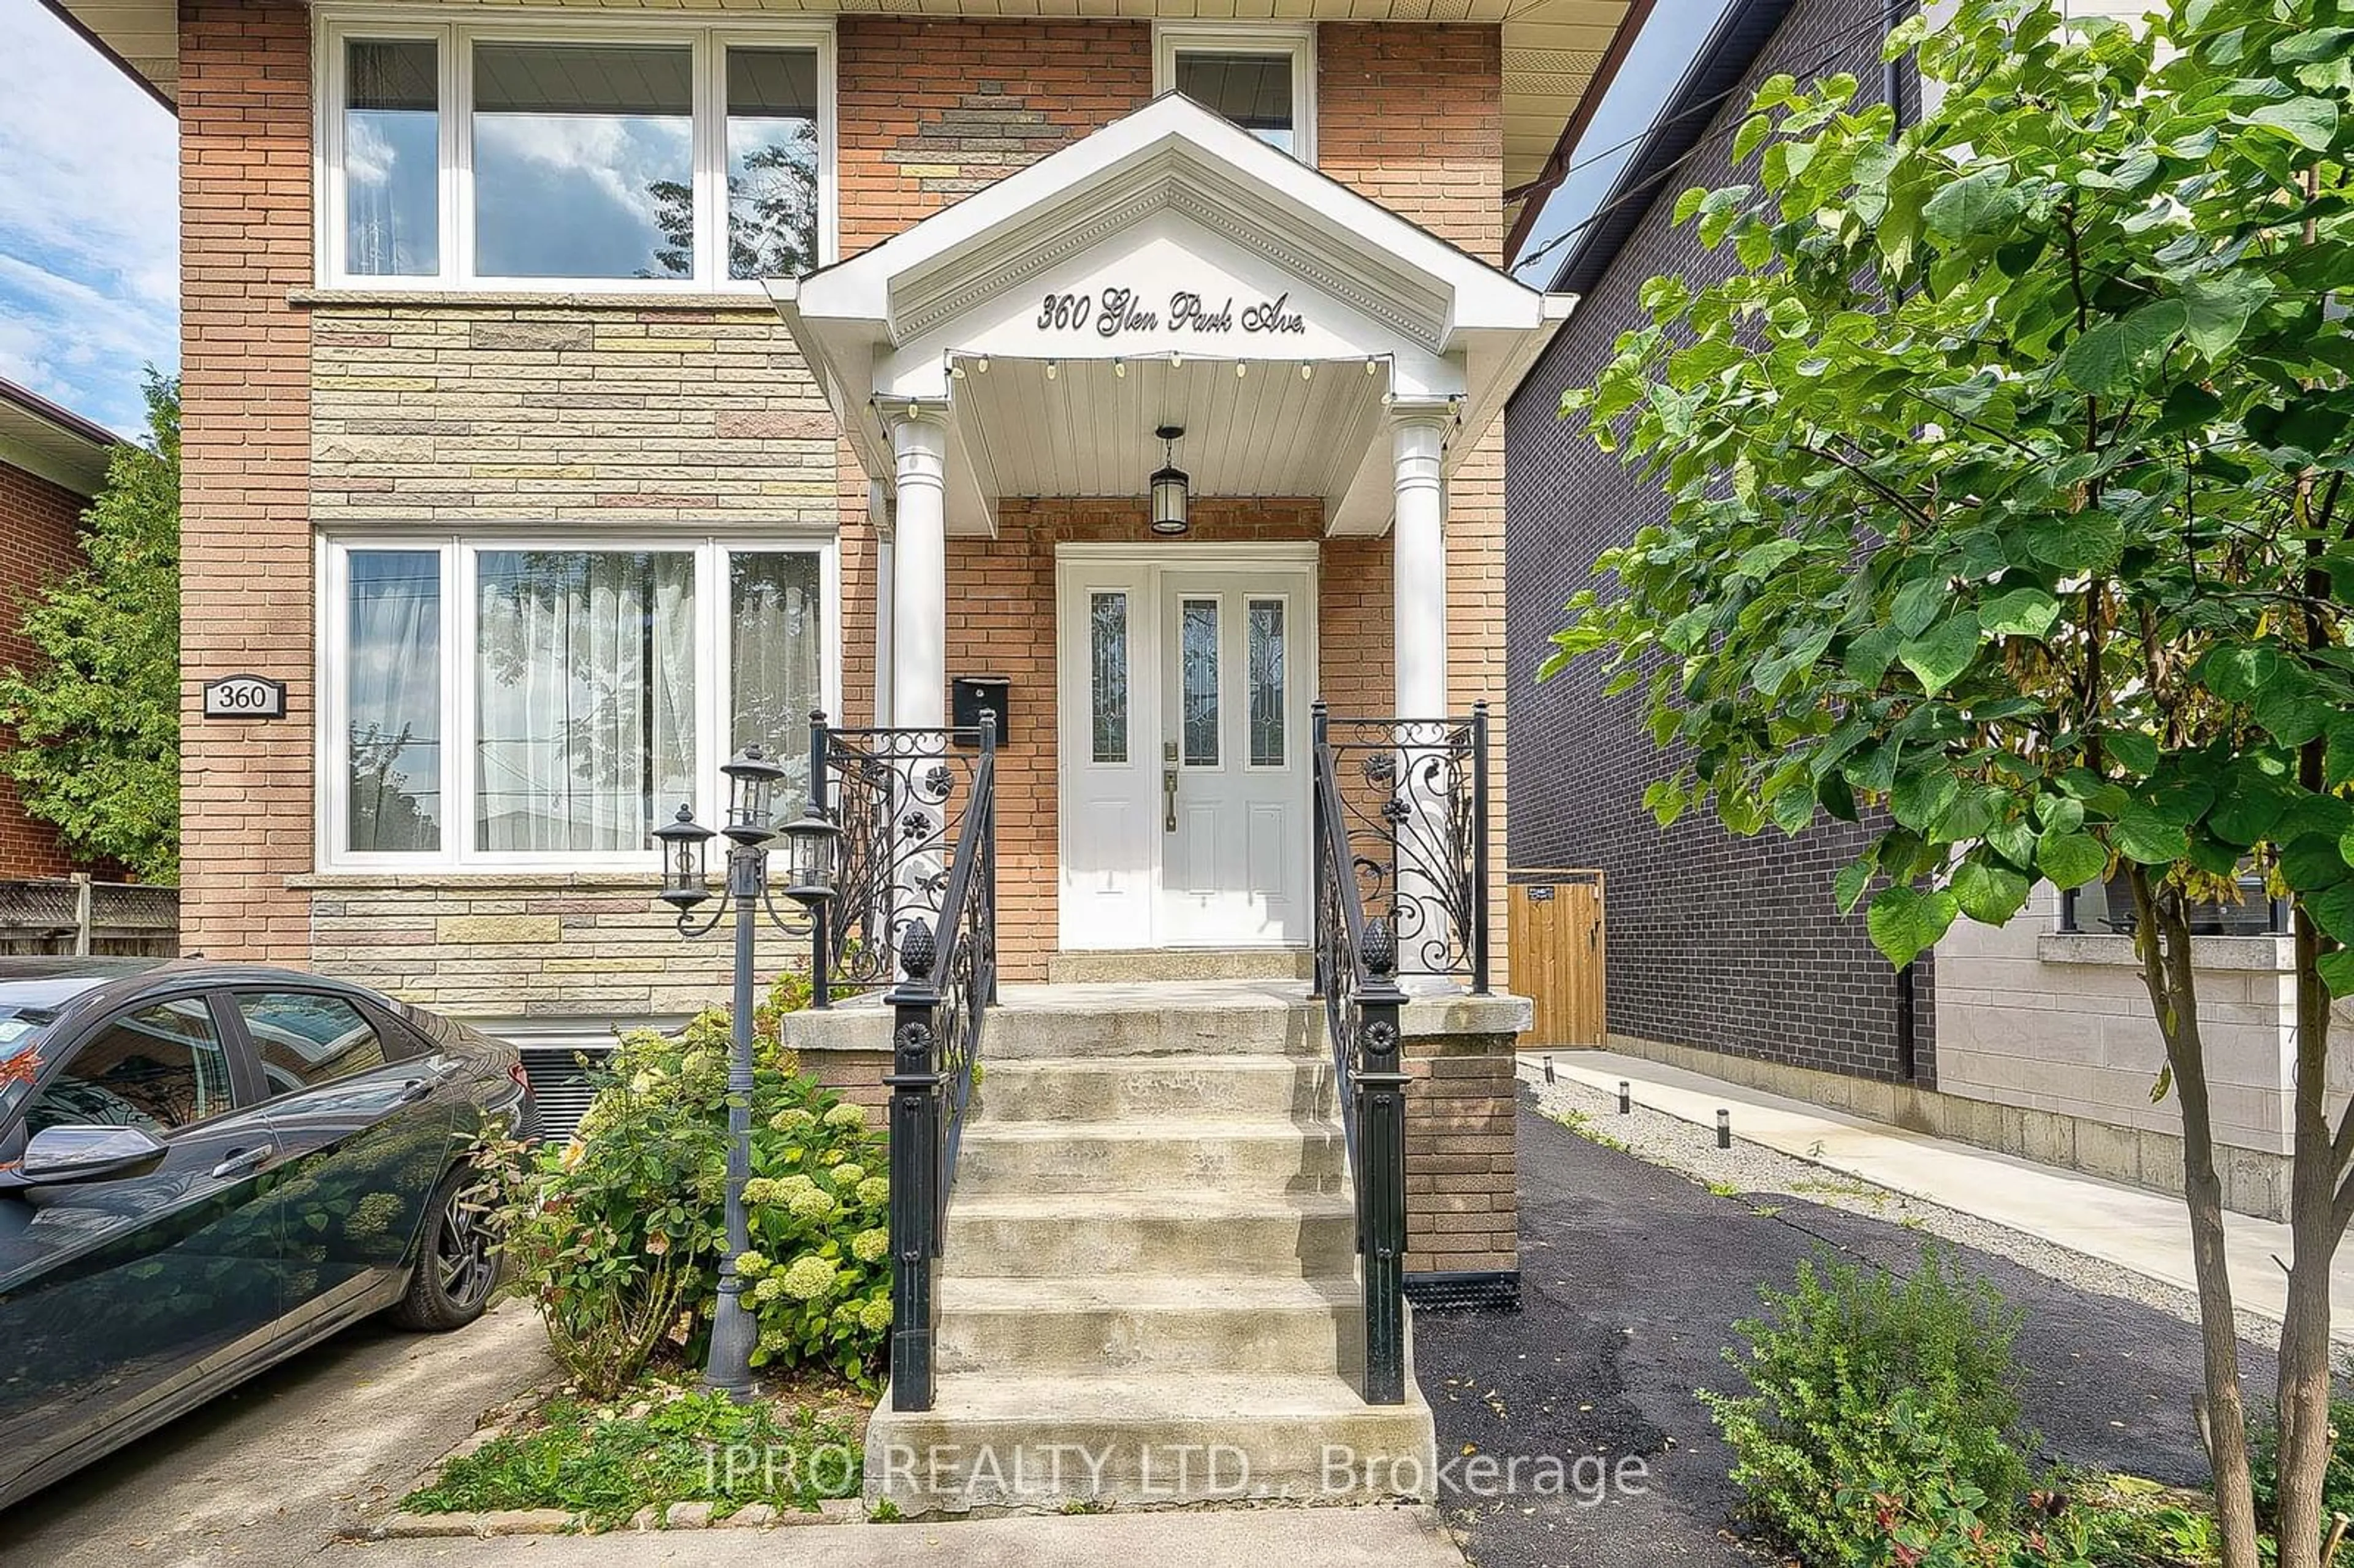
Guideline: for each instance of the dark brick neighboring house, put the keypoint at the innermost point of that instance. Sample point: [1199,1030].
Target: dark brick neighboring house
[51,463]
[1715,943]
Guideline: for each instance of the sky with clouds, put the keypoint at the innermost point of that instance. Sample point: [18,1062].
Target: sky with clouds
[90,262]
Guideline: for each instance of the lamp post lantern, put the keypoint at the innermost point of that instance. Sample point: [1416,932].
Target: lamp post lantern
[749,830]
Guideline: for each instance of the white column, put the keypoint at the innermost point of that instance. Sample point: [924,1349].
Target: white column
[919,569]
[1418,562]
[878,519]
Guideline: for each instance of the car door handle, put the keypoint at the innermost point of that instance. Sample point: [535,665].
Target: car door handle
[244,1161]
[415,1090]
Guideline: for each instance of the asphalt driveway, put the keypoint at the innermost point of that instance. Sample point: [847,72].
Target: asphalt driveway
[267,1474]
[1632,1278]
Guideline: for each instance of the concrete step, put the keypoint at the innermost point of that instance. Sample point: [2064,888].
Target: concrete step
[1204,1233]
[1167,964]
[1145,1020]
[995,1442]
[1141,1090]
[1268,1154]
[1101,1327]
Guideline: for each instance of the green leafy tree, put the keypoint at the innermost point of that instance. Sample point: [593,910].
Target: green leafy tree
[2007,478]
[97,723]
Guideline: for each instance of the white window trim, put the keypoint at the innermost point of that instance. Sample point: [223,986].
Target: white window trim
[708,38]
[1296,39]
[459,553]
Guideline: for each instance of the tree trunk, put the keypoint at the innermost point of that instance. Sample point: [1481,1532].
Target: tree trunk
[2314,1229]
[2162,940]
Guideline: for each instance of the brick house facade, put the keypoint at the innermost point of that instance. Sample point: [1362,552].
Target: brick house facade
[51,463]
[491,517]
[322,408]
[1717,943]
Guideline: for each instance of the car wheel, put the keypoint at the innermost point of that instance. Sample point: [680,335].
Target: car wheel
[457,1263]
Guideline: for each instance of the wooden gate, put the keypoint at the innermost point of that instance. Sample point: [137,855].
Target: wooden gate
[1557,948]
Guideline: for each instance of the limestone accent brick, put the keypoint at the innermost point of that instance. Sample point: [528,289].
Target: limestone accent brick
[594,948]
[441,411]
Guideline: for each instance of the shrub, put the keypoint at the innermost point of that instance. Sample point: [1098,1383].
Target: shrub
[621,1230]
[1866,1389]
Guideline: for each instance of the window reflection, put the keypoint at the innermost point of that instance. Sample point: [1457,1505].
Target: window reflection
[583,161]
[772,171]
[1266,682]
[1199,655]
[1108,662]
[393,701]
[585,697]
[392,158]
[778,646]
[1254,91]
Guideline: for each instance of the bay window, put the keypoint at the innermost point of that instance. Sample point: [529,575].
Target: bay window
[611,155]
[521,703]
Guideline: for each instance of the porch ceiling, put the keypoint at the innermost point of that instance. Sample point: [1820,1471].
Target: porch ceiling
[1552,48]
[1087,430]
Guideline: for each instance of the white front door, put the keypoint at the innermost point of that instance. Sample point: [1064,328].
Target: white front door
[1184,693]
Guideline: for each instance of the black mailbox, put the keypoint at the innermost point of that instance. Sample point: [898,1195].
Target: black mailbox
[971,695]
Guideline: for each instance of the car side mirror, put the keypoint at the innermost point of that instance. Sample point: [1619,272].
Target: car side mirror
[73,1153]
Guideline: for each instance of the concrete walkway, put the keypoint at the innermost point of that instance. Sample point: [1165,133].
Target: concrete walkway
[2145,1232]
[1295,1538]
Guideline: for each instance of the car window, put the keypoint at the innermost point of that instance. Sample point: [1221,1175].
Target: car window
[304,1039]
[159,1068]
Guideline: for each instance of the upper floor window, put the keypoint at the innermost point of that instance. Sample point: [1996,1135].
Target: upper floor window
[458,154]
[1261,78]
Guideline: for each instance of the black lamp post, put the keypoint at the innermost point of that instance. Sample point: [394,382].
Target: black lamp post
[750,828]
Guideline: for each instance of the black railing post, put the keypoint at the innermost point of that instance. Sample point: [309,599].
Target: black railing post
[821,918]
[1381,1184]
[1478,932]
[989,847]
[916,1201]
[1319,733]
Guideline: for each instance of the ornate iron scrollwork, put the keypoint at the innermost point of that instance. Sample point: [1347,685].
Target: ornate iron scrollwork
[900,797]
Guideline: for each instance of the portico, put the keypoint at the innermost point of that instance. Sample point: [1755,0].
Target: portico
[1004,372]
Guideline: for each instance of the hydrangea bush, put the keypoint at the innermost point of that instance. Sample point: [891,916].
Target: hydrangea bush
[632,1210]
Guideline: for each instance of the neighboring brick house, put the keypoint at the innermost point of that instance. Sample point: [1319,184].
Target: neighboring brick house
[52,461]
[1726,955]
[1724,944]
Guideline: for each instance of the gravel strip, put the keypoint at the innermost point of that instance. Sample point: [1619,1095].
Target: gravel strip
[1752,1169]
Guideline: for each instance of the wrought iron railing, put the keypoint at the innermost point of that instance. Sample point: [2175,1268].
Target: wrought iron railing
[939,1009]
[901,798]
[1356,974]
[1410,813]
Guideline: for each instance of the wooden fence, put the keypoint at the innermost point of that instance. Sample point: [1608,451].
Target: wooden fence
[77,915]
[1556,925]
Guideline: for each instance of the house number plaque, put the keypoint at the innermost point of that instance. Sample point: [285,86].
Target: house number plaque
[245,698]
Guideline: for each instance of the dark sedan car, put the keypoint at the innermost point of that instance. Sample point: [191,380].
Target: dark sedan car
[204,1169]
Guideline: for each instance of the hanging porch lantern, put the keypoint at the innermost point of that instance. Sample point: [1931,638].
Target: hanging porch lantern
[1171,490]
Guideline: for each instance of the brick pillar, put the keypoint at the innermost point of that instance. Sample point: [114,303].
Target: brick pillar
[245,599]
